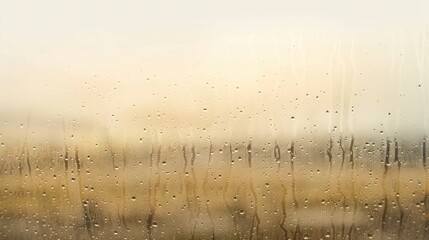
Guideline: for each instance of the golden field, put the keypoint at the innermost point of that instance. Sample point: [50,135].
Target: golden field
[219,191]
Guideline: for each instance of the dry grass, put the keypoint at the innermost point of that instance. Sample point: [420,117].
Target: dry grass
[217,194]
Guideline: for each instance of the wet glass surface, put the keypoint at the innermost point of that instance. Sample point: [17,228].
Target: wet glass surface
[226,120]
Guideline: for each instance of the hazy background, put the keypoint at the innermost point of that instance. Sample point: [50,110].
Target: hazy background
[215,70]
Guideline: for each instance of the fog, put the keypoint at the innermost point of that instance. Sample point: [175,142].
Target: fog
[215,71]
[214,119]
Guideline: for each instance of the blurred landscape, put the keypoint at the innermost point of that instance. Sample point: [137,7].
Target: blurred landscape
[344,189]
[214,119]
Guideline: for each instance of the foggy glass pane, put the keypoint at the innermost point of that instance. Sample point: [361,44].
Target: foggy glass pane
[214,119]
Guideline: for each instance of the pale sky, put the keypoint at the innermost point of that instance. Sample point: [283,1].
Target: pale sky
[215,68]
